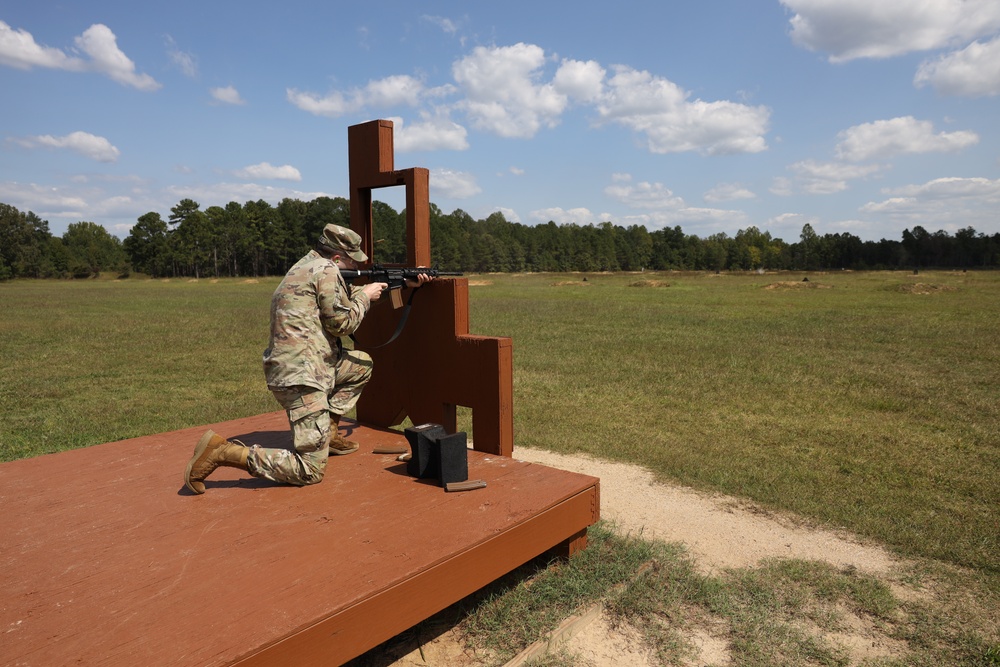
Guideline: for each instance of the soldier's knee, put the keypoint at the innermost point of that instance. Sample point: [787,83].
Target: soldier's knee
[313,471]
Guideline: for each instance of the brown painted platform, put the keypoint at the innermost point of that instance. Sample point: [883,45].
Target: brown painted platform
[106,560]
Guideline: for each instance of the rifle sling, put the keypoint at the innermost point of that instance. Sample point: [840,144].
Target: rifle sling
[399,326]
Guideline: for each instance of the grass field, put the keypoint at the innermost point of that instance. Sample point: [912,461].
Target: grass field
[862,400]
[867,401]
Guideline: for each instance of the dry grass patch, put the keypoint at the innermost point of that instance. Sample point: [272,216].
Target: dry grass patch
[649,283]
[925,288]
[792,284]
[480,283]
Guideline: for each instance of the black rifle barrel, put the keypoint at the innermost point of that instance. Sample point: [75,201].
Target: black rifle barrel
[385,272]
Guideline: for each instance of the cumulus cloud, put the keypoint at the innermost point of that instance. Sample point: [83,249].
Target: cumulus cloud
[661,110]
[265,170]
[44,200]
[850,29]
[952,188]
[391,91]
[101,45]
[583,81]
[664,207]
[18,49]
[950,203]
[227,95]
[643,194]
[509,214]
[561,216]
[729,192]
[824,178]
[431,133]
[883,139]
[503,91]
[84,143]
[972,72]
[507,91]
[449,184]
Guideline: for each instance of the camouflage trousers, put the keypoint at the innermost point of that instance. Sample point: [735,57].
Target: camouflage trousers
[308,412]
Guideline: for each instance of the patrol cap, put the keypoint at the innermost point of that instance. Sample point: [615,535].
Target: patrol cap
[343,239]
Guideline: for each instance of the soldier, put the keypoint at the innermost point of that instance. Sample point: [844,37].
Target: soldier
[314,378]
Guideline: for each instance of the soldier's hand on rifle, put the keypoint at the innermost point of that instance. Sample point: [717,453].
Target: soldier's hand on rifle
[374,290]
[421,279]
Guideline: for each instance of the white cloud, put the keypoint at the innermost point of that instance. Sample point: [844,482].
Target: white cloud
[18,49]
[84,143]
[517,171]
[972,72]
[449,184]
[883,139]
[943,203]
[227,95]
[729,192]
[849,29]
[952,188]
[583,81]
[561,216]
[503,94]
[782,186]
[788,226]
[431,133]
[101,45]
[43,200]
[265,170]
[693,220]
[660,109]
[509,214]
[665,208]
[446,24]
[381,93]
[185,62]
[644,195]
[823,178]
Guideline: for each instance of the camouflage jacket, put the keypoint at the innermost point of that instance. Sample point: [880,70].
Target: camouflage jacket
[310,310]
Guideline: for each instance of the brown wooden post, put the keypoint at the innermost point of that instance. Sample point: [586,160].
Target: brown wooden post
[435,365]
[371,165]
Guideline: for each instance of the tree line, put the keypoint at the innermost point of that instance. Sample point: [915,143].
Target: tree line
[259,239]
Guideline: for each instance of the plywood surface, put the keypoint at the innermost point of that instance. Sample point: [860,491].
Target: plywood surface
[106,559]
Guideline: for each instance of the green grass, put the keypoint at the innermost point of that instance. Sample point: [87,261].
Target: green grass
[780,613]
[859,402]
[855,403]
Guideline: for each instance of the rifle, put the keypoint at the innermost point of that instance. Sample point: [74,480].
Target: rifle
[395,277]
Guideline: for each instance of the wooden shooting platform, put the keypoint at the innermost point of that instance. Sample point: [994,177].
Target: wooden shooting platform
[106,558]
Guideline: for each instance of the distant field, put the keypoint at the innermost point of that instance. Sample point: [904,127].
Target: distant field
[865,400]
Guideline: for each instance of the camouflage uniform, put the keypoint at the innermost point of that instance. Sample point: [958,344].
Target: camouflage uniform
[307,368]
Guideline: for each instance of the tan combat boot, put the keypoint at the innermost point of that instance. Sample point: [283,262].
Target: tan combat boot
[339,445]
[211,452]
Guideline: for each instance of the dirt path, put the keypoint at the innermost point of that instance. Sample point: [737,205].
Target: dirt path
[720,532]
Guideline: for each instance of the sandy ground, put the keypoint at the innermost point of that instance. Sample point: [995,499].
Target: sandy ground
[719,532]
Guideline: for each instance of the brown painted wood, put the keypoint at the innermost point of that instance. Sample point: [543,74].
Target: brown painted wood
[435,365]
[371,163]
[106,559]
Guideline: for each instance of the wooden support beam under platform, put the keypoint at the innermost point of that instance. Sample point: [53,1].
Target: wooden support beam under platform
[106,559]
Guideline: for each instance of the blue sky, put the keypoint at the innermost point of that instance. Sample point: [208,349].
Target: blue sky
[850,115]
